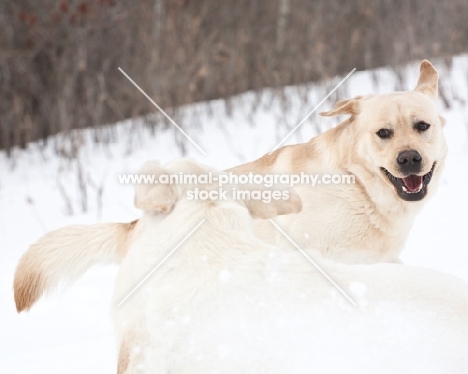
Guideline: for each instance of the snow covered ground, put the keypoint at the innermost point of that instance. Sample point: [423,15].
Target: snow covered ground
[71,332]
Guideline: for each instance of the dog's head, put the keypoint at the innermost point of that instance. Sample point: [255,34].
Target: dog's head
[399,136]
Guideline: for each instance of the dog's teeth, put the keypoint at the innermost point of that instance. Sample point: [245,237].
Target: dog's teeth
[405,189]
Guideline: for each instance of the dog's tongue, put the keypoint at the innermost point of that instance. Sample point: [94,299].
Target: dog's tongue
[412,182]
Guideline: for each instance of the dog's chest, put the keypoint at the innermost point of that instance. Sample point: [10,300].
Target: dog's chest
[341,223]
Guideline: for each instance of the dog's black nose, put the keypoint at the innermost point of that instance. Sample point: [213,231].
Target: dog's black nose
[409,161]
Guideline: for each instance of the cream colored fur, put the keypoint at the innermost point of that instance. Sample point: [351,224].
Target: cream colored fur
[228,302]
[367,221]
[269,308]
[361,223]
[63,255]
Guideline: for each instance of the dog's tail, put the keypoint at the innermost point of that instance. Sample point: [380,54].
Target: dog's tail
[64,255]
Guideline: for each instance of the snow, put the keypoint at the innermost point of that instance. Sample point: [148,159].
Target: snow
[71,331]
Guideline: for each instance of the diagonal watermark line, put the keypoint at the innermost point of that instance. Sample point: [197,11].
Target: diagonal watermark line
[162,111]
[314,263]
[161,262]
[312,111]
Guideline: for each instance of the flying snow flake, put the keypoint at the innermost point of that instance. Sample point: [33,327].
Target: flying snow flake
[358,290]
[224,350]
[224,275]
[137,350]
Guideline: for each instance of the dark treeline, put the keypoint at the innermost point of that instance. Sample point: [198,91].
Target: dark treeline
[59,59]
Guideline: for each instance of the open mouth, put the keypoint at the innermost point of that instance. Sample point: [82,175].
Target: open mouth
[412,187]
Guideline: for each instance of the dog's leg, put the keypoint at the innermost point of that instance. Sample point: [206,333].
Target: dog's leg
[125,352]
[133,345]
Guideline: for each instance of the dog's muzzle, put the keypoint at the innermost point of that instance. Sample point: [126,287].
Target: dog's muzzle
[413,187]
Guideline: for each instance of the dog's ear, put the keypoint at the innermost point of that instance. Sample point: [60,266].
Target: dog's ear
[349,106]
[428,80]
[289,203]
[159,198]
[152,196]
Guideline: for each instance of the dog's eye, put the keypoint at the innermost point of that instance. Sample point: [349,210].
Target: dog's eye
[384,133]
[421,126]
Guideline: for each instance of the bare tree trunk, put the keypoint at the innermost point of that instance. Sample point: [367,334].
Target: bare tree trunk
[281,25]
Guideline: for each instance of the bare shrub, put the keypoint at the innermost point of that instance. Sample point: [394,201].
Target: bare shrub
[59,59]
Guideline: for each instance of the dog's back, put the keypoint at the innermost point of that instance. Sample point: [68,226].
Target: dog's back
[227,302]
